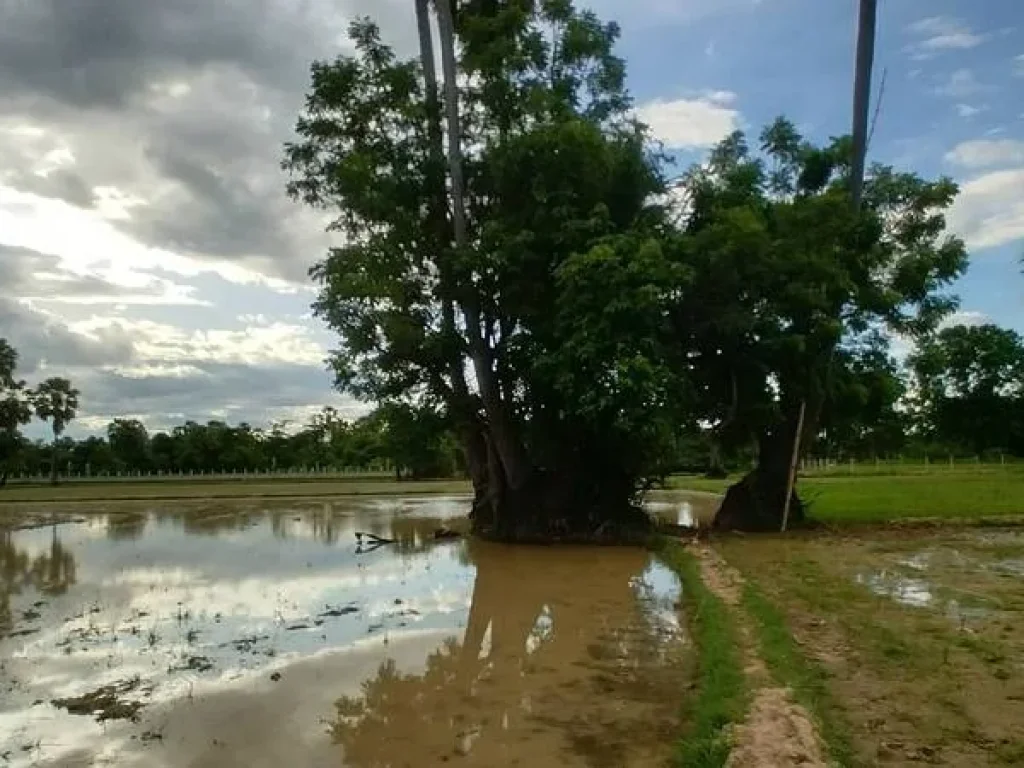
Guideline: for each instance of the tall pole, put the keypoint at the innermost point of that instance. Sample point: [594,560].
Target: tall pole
[862,95]
[793,465]
[446,30]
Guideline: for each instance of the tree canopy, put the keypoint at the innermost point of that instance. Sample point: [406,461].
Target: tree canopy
[570,311]
[969,387]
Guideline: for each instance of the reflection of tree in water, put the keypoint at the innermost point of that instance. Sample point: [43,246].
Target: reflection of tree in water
[126,525]
[50,573]
[411,535]
[556,639]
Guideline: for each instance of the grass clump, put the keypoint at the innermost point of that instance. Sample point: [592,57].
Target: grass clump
[806,678]
[720,698]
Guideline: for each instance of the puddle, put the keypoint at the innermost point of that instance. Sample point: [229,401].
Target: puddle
[902,589]
[248,634]
[689,509]
[941,579]
[1010,567]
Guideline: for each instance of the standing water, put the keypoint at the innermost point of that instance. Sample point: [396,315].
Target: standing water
[245,634]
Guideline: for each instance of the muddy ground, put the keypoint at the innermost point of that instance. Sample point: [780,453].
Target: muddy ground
[919,631]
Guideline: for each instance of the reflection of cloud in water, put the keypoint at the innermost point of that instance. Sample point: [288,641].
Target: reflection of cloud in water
[254,590]
[908,591]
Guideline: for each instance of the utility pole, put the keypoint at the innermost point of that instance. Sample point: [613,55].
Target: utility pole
[862,94]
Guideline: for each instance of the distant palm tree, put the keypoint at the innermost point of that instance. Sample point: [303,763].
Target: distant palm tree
[55,401]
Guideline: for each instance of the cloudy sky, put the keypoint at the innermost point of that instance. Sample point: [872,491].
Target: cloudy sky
[147,249]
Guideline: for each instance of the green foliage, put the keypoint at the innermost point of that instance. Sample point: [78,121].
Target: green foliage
[556,172]
[787,277]
[969,387]
[720,698]
[15,407]
[416,442]
[129,442]
[579,329]
[56,401]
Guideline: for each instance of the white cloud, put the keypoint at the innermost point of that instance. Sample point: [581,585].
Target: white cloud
[966,317]
[941,33]
[161,345]
[961,85]
[691,123]
[85,240]
[987,153]
[1018,62]
[966,110]
[989,211]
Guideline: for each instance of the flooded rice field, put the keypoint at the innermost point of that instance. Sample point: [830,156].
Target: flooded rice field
[255,634]
[972,577]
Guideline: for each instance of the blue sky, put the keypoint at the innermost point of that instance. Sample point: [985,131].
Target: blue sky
[952,104]
[147,248]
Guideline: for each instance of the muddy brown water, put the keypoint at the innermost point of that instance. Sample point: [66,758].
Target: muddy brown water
[248,634]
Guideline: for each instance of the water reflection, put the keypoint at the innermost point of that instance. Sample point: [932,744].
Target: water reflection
[237,628]
[50,572]
[569,656]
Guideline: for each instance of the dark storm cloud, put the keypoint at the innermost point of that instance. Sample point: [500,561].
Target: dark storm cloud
[97,53]
[96,74]
[61,184]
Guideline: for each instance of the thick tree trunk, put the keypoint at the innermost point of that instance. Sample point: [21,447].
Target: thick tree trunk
[757,502]
[572,504]
[716,467]
[53,464]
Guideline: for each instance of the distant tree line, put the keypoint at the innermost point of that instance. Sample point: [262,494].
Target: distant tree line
[54,401]
[960,393]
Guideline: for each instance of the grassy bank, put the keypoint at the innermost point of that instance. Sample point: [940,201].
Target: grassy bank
[874,499]
[720,698]
[794,670]
[175,489]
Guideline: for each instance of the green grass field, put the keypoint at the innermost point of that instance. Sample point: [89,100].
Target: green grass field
[959,495]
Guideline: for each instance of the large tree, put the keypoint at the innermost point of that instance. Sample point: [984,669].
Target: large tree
[15,408]
[787,276]
[129,442]
[969,388]
[560,429]
[55,400]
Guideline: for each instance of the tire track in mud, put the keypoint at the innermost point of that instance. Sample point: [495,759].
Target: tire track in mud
[777,731]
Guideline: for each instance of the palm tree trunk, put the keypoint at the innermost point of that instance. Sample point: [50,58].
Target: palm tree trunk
[862,95]
[53,461]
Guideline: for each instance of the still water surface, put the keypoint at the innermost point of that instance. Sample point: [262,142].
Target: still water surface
[248,634]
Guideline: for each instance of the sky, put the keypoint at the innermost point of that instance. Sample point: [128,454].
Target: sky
[148,250]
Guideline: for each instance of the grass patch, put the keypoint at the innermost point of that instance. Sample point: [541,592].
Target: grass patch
[879,499]
[793,669]
[720,697]
[965,496]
